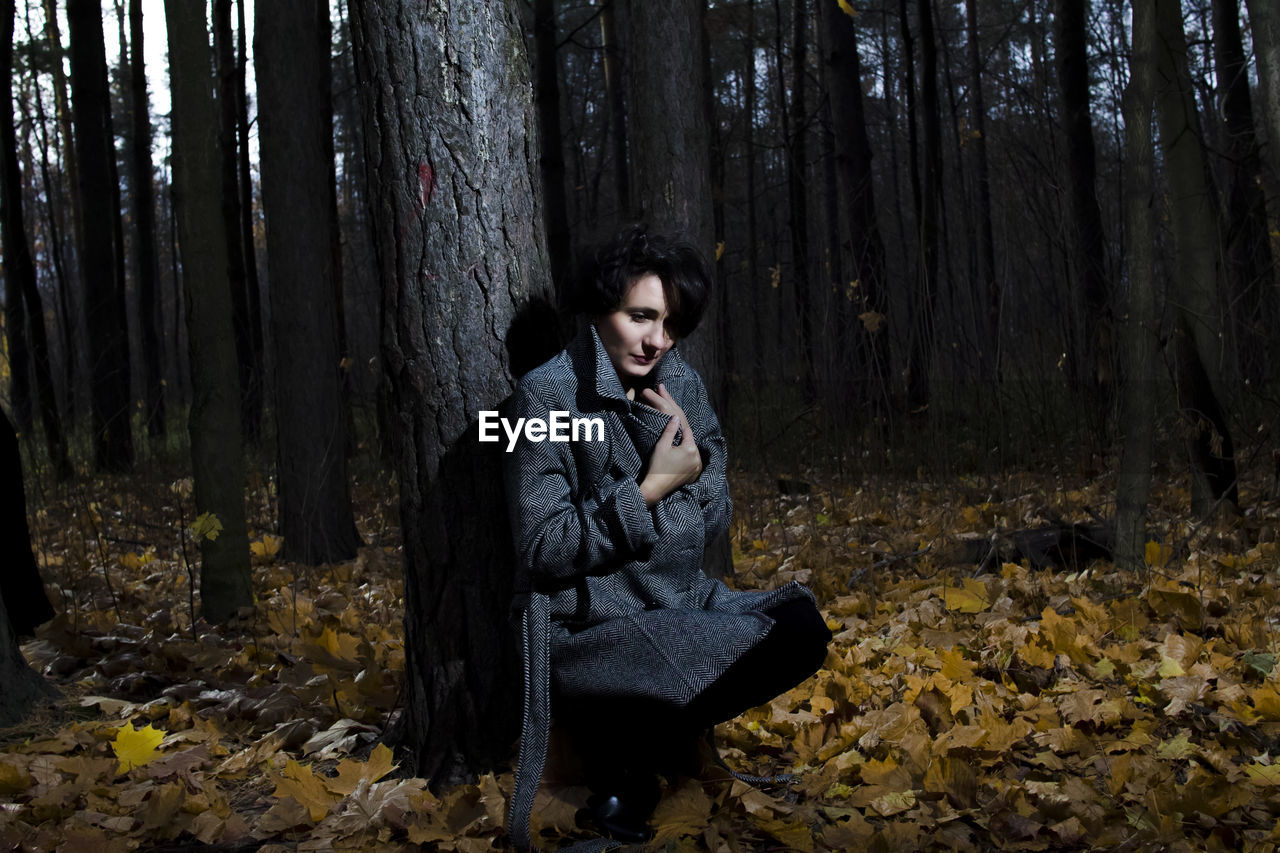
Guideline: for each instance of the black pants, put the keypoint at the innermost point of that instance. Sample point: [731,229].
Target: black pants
[618,737]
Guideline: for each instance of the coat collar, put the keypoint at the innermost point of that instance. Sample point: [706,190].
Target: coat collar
[590,360]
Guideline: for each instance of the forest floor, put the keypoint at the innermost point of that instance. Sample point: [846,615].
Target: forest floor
[1069,707]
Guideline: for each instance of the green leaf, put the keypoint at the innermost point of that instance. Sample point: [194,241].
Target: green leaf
[1263,662]
[207,526]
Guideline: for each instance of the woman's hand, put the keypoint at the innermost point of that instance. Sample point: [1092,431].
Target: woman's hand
[672,465]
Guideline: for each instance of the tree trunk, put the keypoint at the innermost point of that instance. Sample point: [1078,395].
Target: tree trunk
[547,90]
[451,145]
[755,289]
[1264,18]
[144,218]
[1084,240]
[797,198]
[671,144]
[853,169]
[612,53]
[76,334]
[23,605]
[228,137]
[924,296]
[101,254]
[988,295]
[1140,325]
[1250,280]
[1196,338]
[253,394]
[217,463]
[670,168]
[291,49]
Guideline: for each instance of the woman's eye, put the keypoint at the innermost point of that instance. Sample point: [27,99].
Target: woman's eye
[638,318]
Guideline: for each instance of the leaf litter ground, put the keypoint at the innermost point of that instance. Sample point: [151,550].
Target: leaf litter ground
[1067,708]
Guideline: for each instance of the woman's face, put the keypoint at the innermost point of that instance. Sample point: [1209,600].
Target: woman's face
[635,335]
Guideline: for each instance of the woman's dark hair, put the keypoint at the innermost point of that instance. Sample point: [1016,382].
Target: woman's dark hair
[634,253]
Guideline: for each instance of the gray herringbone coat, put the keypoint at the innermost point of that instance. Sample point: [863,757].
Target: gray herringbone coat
[616,603]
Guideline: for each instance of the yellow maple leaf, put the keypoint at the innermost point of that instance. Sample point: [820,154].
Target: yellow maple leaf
[267,547]
[351,773]
[719,250]
[135,747]
[971,598]
[1263,774]
[306,788]
[1158,555]
[847,9]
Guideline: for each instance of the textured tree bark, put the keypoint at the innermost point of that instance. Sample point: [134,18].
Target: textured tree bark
[853,169]
[216,452]
[291,50]
[1092,362]
[1198,356]
[23,605]
[450,132]
[1140,323]
[144,219]
[101,254]
[1250,279]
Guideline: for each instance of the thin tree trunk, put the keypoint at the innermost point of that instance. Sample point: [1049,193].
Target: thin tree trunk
[1088,251]
[988,295]
[144,219]
[102,252]
[1140,330]
[855,178]
[77,355]
[547,91]
[57,253]
[460,249]
[613,84]
[291,50]
[253,394]
[1196,339]
[1264,19]
[797,198]
[1250,279]
[217,462]
[925,293]
[228,137]
[755,289]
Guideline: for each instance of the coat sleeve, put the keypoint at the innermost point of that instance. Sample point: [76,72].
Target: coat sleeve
[712,486]
[564,527]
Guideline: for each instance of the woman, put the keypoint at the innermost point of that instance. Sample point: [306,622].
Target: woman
[628,643]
